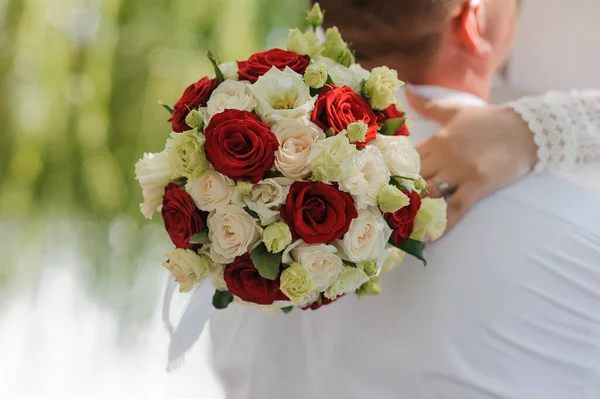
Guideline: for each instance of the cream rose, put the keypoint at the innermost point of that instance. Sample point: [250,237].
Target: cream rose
[186,154]
[212,190]
[367,173]
[296,282]
[367,237]
[399,154]
[349,280]
[232,232]
[187,267]
[296,139]
[266,197]
[331,158]
[153,172]
[282,95]
[230,95]
[322,262]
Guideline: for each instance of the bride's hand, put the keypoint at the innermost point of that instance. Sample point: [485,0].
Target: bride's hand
[477,151]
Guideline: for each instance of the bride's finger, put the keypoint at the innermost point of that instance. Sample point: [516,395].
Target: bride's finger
[441,185]
[462,201]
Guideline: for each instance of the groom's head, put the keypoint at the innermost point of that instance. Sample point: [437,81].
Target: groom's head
[443,42]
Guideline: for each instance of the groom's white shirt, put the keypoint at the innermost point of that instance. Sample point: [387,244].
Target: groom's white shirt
[509,307]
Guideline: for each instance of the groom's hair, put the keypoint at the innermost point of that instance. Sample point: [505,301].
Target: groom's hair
[411,28]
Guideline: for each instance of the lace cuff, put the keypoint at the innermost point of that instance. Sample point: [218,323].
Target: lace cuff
[566,127]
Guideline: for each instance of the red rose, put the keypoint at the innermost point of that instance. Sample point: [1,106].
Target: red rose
[392,112]
[337,107]
[239,145]
[321,302]
[260,63]
[245,281]
[182,218]
[318,212]
[193,97]
[402,221]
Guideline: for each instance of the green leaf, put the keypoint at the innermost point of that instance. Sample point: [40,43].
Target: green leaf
[222,299]
[166,106]
[271,174]
[412,247]
[218,73]
[265,262]
[251,213]
[287,309]
[350,264]
[200,238]
[404,178]
[362,89]
[390,126]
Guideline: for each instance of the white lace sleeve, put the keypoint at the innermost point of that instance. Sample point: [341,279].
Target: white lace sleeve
[566,127]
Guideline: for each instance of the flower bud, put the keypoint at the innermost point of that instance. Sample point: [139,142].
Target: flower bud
[315,16]
[390,198]
[381,87]
[420,184]
[195,119]
[244,187]
[369,267]
[277,237]
[229,70]
[357,131]
[315,76]
[336,48]
[304,43]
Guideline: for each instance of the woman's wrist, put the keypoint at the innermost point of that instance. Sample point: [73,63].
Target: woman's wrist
[523,137]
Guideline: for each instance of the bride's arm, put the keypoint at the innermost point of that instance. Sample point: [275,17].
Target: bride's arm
[566,127]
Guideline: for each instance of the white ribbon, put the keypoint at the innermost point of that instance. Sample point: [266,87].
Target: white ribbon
[197,312]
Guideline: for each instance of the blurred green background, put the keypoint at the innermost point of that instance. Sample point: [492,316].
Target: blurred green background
[80,80]
[80,275]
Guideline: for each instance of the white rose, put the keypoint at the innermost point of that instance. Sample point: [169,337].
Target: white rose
[366,238]
[309,299]
[367,173]
[266,197]
[399,154]
[296,139]
[230,95]
[344,76]
[232,233]
[153,172]
[332,157]
[229,70]
[349,280]
[282,95]
[187,267]
[212,190]
[431,221]
[319,259]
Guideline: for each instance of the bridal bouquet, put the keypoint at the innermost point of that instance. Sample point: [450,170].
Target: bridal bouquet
[289,178]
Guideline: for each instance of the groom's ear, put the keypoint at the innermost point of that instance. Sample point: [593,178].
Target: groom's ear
[469,21]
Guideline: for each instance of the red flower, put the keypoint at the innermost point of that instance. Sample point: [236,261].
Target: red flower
[318,212]
[402,222]
[392,112]
[321,302]
[244,281]
[240,145]
[337,107]
[258,64]
[182,218]
[193,97]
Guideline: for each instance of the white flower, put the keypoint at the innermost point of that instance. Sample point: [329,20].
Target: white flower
[367,237]
[296,140]
[392,258]
[212,190]
[367,173]
[230,95]
[229,70]
[399,154]
[186,154]
[216,271]
[305,43]
[381,87]
[332,157]
[309,299]
[232,233]
[187,267]
[319,259]
[282,95]
[266,197]
[430,222]
[349,280]
[153,172]
[344,76]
